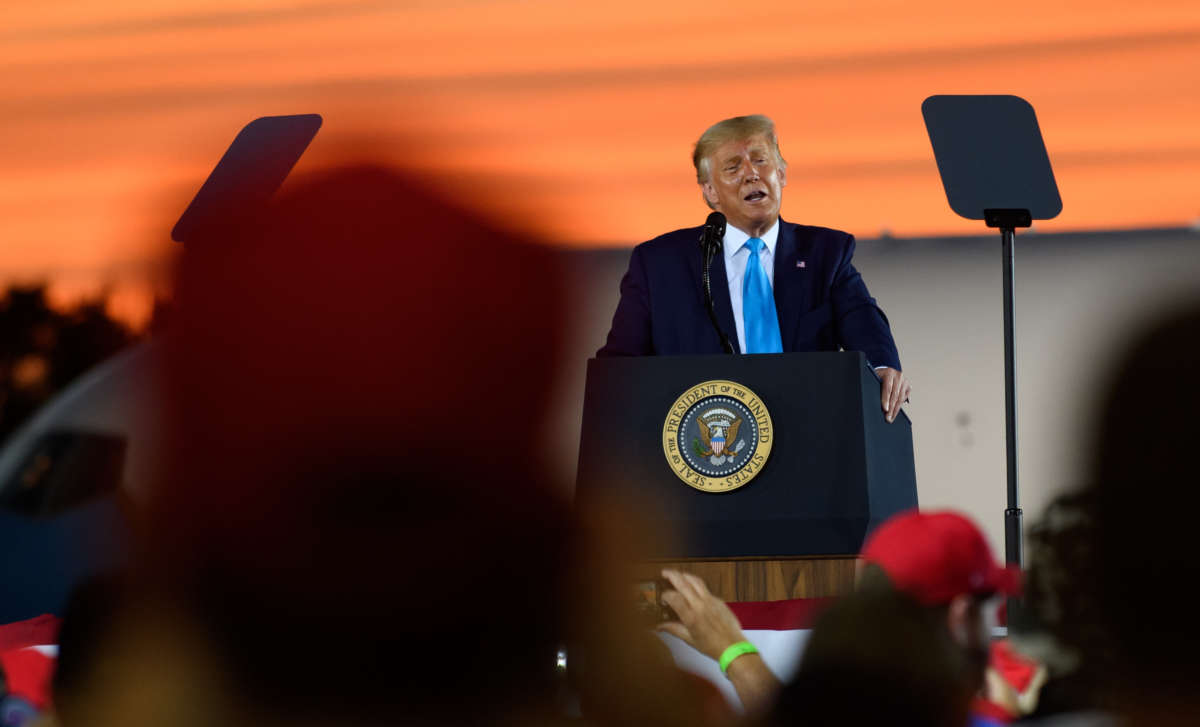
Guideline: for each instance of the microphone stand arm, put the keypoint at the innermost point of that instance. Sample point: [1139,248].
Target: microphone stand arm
[710,249]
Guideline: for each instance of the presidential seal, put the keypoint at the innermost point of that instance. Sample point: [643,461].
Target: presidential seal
[717,436]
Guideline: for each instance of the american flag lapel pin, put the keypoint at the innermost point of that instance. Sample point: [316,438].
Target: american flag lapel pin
[799,263]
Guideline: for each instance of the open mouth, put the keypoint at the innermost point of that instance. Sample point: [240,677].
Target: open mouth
[755,196]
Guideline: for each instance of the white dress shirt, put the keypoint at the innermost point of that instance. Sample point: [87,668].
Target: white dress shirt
[736,255]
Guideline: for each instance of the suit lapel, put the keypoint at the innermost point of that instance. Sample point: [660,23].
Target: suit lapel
[790,282]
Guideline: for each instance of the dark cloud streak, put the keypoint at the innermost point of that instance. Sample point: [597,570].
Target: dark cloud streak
[505,84]
[225,19]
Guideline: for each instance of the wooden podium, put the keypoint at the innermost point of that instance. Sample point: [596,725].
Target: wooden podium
[836,469]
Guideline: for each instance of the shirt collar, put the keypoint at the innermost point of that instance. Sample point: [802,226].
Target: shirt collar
[735,239]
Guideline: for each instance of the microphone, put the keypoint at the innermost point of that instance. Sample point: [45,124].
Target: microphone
[710,240]
[716,220]
[714,232]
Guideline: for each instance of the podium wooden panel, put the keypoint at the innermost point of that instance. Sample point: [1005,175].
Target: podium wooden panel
[763,579]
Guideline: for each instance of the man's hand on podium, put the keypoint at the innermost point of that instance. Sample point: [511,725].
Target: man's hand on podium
[894,390]
[707,624]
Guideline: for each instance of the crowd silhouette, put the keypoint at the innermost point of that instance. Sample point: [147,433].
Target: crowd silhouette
[353,520]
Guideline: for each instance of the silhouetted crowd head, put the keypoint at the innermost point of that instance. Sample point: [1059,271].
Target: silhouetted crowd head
[354,502]
[879,656]
[1114,567]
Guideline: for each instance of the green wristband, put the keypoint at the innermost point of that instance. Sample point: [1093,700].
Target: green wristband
[741,648]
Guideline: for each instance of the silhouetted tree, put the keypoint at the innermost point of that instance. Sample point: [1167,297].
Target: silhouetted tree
[42,350]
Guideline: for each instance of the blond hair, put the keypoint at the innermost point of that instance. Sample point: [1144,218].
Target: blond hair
[735,129]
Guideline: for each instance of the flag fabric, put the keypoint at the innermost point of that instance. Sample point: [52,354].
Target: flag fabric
[27,655]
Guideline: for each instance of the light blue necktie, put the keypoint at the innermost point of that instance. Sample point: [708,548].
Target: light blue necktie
[761,323]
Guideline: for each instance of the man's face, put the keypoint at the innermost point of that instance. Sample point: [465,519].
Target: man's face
[745,183]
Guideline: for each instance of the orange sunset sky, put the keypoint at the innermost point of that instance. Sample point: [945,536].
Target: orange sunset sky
[576,119]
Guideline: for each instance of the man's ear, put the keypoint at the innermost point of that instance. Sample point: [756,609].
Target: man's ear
[782,175]
[710,195]
[958,618]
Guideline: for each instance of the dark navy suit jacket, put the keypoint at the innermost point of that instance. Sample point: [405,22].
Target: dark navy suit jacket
[822,301]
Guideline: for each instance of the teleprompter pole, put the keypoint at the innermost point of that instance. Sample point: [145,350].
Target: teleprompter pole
[1013,552]
[1008,220]
[992,159]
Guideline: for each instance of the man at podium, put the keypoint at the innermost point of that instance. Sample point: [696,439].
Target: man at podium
[789,287]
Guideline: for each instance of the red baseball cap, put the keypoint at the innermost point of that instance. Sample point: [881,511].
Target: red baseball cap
[935,556]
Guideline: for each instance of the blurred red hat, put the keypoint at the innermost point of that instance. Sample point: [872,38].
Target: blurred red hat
[935,556]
